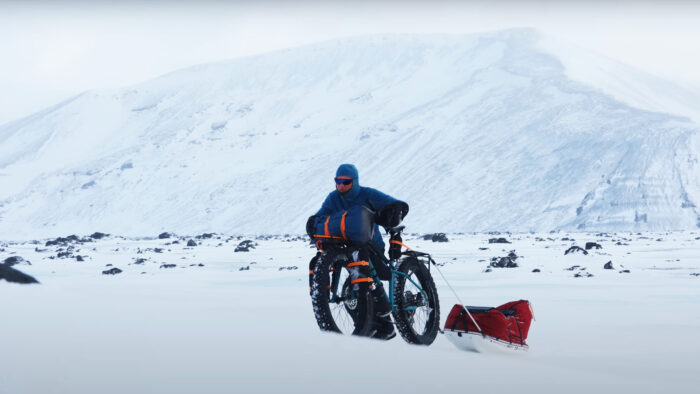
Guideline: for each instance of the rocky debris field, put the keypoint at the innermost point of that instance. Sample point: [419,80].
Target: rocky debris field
[101,254]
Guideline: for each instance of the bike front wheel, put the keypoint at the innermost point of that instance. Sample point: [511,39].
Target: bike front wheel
[339,306]
[417,312]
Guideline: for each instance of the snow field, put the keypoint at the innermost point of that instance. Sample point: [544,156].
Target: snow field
[219,329]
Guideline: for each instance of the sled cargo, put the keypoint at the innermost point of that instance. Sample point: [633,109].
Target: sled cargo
[490,329]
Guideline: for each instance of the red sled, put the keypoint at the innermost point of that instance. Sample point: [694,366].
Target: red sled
[504,327]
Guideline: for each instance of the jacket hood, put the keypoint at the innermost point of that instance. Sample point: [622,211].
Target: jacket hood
[350,170]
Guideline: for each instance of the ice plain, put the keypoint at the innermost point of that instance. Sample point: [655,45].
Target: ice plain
[217,328]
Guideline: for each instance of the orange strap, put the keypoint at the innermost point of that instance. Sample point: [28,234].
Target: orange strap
[311,272]
[362,280]
[356,263]
[328,233]
[342,225]
[399,243]
[327,236]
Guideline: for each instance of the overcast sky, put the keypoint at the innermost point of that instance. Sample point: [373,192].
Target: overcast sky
[52,50]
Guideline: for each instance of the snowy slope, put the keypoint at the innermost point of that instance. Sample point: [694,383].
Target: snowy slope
[478,132]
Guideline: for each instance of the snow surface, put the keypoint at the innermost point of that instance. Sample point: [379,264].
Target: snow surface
[217,329]
[495,131]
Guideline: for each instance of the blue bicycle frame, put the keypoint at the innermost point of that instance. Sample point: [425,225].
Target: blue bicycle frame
[394,273]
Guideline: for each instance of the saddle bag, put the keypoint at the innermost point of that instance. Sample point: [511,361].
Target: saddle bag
[355,225]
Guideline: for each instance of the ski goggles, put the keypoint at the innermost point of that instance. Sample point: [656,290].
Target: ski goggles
[343,181]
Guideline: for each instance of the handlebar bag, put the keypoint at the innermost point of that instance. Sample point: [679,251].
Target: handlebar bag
[355,225]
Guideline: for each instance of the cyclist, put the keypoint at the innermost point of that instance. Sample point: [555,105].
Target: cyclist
[349,193]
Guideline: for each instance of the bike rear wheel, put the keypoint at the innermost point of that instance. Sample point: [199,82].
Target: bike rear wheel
[417,312]
[338,305]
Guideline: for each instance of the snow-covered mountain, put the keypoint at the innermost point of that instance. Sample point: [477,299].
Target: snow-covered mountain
[476,132]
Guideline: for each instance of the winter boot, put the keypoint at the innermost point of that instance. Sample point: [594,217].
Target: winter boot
[383,325]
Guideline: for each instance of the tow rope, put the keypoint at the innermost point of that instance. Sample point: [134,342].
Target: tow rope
[456,296]
[448,285]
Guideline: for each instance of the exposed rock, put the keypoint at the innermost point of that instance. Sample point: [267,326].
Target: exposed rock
[158,250]
[483,248]
[583,275]
[65,241]
[536,270]
[205,236]
[164,235]
[112,271]
[625,271]
[15,260]
[573,267]
[14,276]
[436,237]
[591,245]
[609,266]
[498,241]
[98,235]
[575,249]
[168,265]
[246,268]
[245,246]
[65,255]
[695,274]
[79,258]
[191,243]
[140,261]
[505,262]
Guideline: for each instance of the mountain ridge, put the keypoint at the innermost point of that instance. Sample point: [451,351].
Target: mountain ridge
[477,133]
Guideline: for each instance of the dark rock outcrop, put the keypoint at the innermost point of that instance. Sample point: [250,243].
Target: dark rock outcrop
[575,249]
[15,260]
[14,276]
[168,265]
[498,241]
[112,271]
[505,262]
[98,235]
[191,243]
[67,240]
[591,245]
[245,246]
[165,235]
[436,237]
[609,266]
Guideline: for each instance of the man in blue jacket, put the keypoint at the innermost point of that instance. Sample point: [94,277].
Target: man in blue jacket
[349,193]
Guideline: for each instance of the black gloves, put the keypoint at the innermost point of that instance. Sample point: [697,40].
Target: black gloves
[395,249]
[392,214]
[311,226]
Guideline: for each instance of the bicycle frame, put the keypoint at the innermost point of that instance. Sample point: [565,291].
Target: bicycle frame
[394,273]
[335,281]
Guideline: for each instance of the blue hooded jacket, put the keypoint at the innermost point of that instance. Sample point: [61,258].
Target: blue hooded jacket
[358,195]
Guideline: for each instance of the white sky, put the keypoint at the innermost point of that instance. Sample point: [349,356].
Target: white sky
[50,51]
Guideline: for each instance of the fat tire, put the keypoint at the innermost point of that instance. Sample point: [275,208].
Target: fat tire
[320,299]
[402,317]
